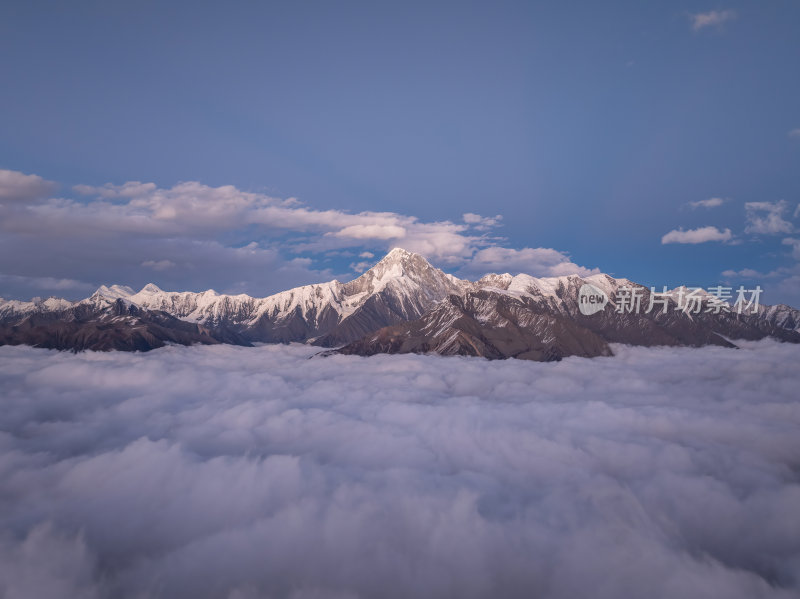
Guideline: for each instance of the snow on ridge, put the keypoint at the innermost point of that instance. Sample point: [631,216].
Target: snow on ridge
[407,276]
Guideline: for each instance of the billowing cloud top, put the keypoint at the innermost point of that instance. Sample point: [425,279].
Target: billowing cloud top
[253,472]
[19,187]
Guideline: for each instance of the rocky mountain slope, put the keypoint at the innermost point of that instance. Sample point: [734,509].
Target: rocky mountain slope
[402,304]
[117,325]
[539,319]
[401,287]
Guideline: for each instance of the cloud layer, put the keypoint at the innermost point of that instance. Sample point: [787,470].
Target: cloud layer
[19,187]
[254,472]
[194,236]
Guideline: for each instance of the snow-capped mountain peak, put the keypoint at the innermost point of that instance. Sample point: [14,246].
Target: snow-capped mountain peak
[150,289]
[407,274]
[399,288]
[114,292]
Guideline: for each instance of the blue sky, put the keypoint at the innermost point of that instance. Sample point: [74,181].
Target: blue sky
[590,128]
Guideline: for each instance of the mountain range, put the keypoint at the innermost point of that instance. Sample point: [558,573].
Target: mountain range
[403,304]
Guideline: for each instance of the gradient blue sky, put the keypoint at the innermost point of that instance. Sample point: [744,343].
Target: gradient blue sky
[590,127]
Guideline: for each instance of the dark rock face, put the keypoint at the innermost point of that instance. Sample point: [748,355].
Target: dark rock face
[118,327]
[492,325]
[488,325]
[401,305]
[400,288]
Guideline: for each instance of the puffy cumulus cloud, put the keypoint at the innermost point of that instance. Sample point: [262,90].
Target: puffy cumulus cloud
[699,235]
[540,262]
[712,18]
[767,218]
[19,187]
[191,209]
[445,242]
[254,472]
[709,203]
[188,208]
[125,233]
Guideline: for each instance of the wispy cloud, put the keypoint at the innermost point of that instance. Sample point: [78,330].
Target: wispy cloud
[795,133]
[713,18]
[482,223]
[709,203]
[767,218]
[746,273]
[700,235]
[795,245]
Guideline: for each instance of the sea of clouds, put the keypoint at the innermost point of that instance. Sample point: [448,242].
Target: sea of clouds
[258,472]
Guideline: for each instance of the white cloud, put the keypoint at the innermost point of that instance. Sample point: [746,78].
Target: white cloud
[795,244]
[709,203]
[254,472]
[700,235]
[19,187]
[542,262]
[482,223]
[194,210]
[366,255]
[767,218]
[360,266]
[713,18]
[372,232]
[134,229]
[745,273]
[795,133]
[203,264]
[131,189]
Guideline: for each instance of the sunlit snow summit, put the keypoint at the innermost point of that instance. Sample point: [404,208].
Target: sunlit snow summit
[403,304]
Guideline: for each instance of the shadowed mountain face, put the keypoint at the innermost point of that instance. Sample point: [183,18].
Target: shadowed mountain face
[487,324]
[401,287]
[520,317]
[403,304]
[118,326]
